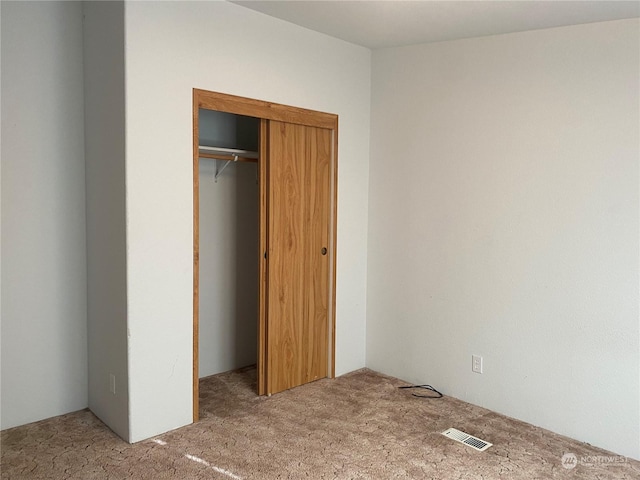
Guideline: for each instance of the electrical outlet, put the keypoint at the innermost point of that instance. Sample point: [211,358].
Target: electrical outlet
[476,363]
[112,383]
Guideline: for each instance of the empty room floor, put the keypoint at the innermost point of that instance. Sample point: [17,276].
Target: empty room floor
[359,425]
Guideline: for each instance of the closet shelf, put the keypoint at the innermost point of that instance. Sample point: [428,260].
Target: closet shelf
[227,155]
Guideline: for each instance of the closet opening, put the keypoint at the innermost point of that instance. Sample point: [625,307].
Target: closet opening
[229,229]
[264,241]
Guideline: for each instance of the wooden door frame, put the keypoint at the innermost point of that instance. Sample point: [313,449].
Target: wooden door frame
[265,111]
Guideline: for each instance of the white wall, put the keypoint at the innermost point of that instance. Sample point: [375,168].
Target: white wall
[171,48]
[229,256]
[105,183]
[504,220]
[44,334]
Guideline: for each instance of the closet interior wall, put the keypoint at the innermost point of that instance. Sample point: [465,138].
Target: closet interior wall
[229,242]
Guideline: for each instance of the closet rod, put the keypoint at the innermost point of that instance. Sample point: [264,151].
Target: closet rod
[219,153]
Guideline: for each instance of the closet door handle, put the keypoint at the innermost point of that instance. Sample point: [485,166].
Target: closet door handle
[324,250]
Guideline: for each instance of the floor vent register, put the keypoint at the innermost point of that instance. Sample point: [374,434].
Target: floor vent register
[467,439]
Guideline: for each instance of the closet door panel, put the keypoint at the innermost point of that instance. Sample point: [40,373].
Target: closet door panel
[298,274]
[285,256]
[316,268]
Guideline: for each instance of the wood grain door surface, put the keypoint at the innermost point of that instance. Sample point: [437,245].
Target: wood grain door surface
[299,215]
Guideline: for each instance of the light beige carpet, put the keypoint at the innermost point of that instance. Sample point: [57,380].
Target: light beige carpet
[358,426]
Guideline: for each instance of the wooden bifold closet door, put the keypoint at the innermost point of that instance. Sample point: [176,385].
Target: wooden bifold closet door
[299,215]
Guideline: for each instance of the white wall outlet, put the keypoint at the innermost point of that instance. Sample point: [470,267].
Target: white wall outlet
[476,363]
[112,383]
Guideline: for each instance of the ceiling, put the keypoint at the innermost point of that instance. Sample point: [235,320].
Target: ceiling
[380,24]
